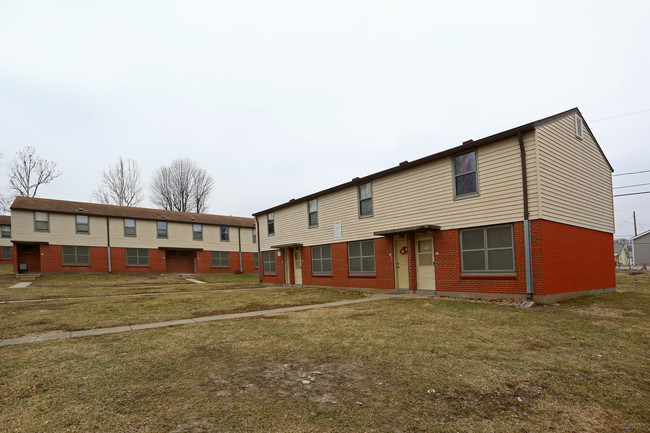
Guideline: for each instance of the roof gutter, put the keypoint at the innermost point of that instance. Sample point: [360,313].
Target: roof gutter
[528,252]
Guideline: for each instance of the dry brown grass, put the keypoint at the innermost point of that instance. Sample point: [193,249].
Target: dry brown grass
[365,367]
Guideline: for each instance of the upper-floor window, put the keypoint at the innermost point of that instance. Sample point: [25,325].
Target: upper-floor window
[161,229]
[41,221]
[6,231]
[312,210]
[82,224]
[365,199]
[255,235]
[361,257]
[225,234]
[465,174]
[321,260]
[270,220]
[197,232]
[129,227]
[487,250]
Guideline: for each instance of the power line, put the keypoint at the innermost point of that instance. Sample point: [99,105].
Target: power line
[632,193]
[621,115]
[631,186]
[631,172]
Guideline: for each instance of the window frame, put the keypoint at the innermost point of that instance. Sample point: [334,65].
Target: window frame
[78,224]
[361,257]
[197,235]
[266,260]
[76,255]
[311,213]
[256,260]
[135,231]
[3,229]
[455,175]
[158,230]
[486,249]
[270,224]
[223,232]
[219,259]
[46,221]
[4,248]
[321,259]
[254,231]
[361,200]
[138,256]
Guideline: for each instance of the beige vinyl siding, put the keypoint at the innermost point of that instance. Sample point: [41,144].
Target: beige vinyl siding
[418,196]
[62,229]
[641,252]
[576,182]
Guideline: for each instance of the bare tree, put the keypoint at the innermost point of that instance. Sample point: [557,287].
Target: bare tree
[182,186]
[28,172]
[121,184]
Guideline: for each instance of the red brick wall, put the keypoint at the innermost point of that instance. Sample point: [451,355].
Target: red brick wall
[52,260]
[383,278]
[204,263]
[446,245]
[157,263]
[571,259]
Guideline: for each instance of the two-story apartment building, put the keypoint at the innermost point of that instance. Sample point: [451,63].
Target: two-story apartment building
[5,240]
[493,217]
[65,236]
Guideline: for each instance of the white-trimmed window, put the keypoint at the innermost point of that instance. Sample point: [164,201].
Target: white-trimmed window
[321,260]
[255,235]
[269,262]
[256,260]
[361,257]
[137,257]
[365,199]
[220,259]
[225,233]
[129,227]
[41,221]
[5,231]
[82,225]
[75,255]
[197,232]
[161,229]
[488,250]
[6,253]
[465,180]
[312,210]
[270,223]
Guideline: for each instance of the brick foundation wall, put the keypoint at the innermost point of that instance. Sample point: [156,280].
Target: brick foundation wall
[446,245]
[571,259]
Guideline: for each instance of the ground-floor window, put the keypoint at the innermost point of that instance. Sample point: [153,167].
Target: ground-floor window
[269,262]
[220,259]
[321,260]
[137,257]
[256,260]
[488,250]
[75,255]
[361,257]
[6,253]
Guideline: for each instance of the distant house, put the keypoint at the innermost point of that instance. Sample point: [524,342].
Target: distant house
[65,236]
[641,245]
[622,254]
[490,218]
[5,240]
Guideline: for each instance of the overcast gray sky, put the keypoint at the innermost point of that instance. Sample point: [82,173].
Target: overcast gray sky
[280,99]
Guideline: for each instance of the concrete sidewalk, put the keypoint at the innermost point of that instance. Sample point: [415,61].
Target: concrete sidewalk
[119,329]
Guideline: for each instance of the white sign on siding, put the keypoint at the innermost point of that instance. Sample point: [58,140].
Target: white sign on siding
[338,230]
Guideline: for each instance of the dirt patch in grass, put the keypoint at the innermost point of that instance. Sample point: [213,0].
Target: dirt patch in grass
[595,310]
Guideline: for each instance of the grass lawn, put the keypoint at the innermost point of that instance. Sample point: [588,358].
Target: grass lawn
[405,365]
[72,285]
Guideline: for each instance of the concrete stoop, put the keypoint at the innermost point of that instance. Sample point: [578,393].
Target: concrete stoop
[27,277]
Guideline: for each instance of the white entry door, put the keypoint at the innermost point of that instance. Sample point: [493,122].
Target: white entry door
[425,263]
[297,266]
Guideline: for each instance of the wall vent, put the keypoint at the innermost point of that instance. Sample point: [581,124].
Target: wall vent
[579,126]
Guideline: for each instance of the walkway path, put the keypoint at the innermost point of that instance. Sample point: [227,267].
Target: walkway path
[118,329]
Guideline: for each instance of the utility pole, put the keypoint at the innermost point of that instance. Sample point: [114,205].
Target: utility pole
[634,215]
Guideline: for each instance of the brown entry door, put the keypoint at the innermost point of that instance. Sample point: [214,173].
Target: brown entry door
[180,262]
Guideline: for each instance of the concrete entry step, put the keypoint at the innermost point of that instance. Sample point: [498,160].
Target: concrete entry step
[27,277]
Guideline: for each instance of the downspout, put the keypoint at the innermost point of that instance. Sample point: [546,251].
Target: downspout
[528,252]
[239,236]
[260,262]
[108,243]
